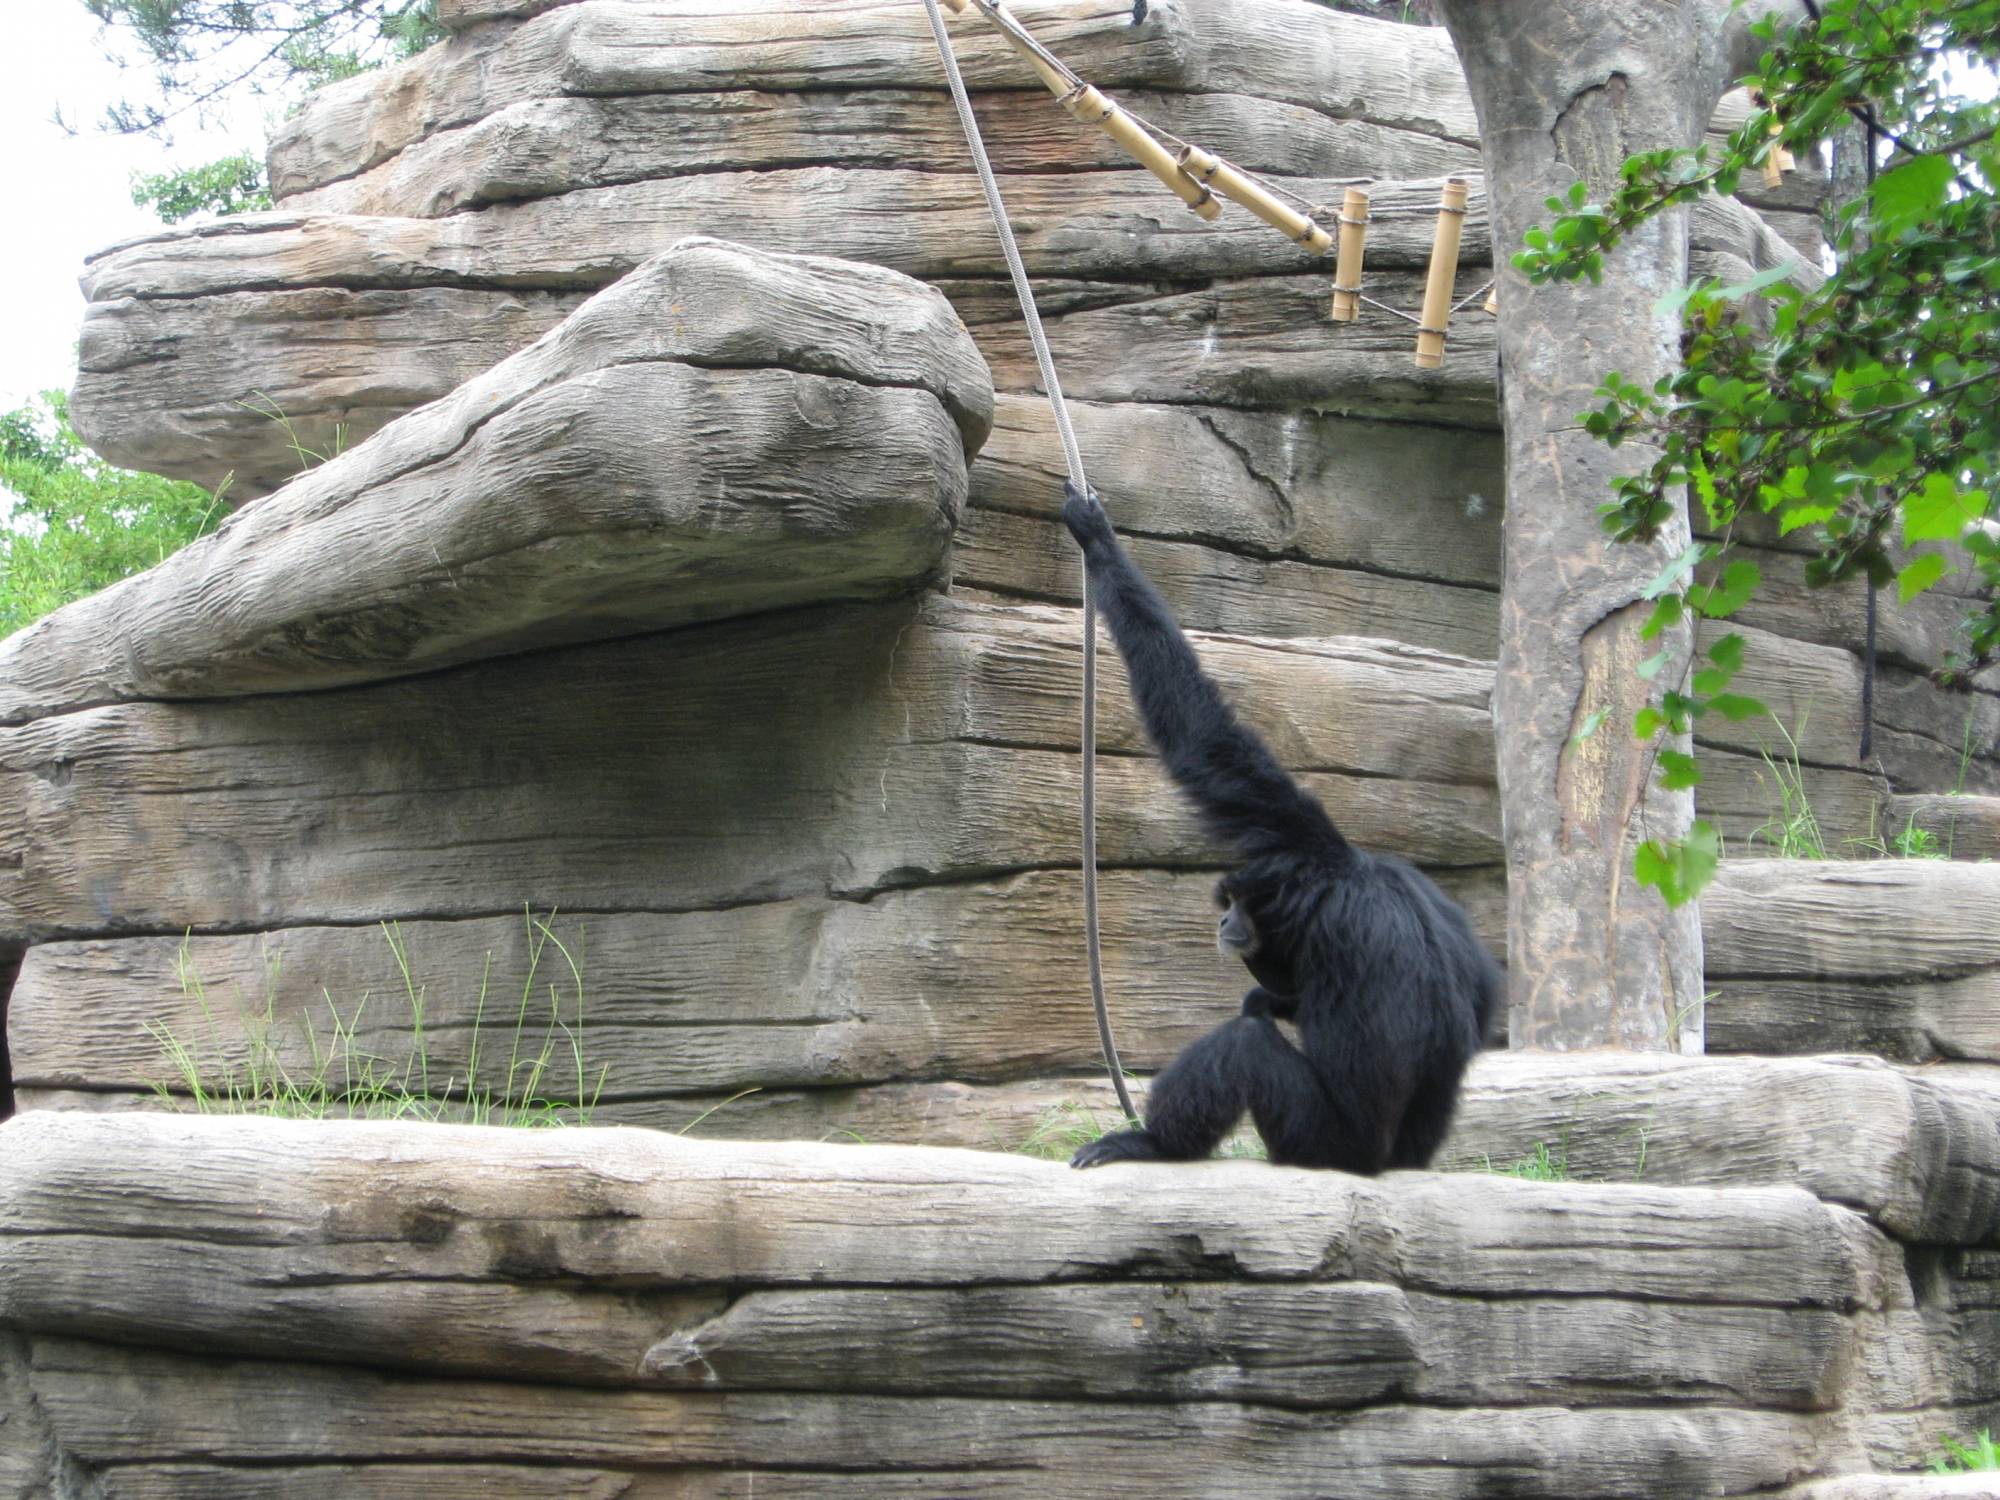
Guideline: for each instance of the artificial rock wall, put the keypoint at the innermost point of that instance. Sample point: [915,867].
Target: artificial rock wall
[857,818]
[455,1311]
[703,602]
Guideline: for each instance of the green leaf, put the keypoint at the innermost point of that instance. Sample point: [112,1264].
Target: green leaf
[1591,724]
[1704,487]
[1920,575]
[1792,517]
[1736,707]
[1666,612]
[1647,722]
[1652,665]
[1851,378]
[1681,869]
[1676,570]
[1906,194]
[1654,865]
[1938,512]
[1758,282]
[1670,303]
[1723,598]
[1678,771]
[1727,653]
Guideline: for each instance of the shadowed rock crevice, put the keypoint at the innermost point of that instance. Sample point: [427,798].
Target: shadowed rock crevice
[10,969]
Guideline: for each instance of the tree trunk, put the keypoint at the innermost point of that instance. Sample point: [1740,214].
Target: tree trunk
[1566,90]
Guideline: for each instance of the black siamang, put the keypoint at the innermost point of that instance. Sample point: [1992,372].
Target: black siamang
[1378,968]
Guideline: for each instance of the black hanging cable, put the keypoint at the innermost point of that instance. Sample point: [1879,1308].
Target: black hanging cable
[1871,131]
[1868,680]
[1868,135]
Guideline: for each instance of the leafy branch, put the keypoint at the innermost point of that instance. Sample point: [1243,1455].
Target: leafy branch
[1863,414]
[200,51]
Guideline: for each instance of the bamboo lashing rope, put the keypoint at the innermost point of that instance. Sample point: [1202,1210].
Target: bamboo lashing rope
[1056,78]
[1093,108]
[1347,264]
[1197,175]
[1090,106]
[1212,171]
[1443,275]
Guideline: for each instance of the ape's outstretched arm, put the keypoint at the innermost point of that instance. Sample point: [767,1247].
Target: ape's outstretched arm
[1240,790]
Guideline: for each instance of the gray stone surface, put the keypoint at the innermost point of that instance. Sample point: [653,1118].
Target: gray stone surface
[1899,957]
[612,1299]
[1919,1158]
[724,432]
[1961,827]
[837,752]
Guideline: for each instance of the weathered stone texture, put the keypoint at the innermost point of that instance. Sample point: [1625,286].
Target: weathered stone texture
[1921,1159]
[838,751]
[610,1300]
[725,432]
[1961,827]
[1896,957]
[818,867]
[1394,77]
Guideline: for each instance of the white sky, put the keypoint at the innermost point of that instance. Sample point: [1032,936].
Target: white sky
[65,196]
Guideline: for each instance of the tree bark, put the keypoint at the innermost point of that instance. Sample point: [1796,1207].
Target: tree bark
[1568,90]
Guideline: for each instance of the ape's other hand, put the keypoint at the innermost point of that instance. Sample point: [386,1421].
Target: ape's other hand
[1085,516]
[1262,1002]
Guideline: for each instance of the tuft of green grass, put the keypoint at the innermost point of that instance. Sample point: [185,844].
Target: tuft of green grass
[1544,1166]
[1911,842]
[1062,1131]
[1918,843]
[1792,831]
[309,457]
[547,1080]
[1980,1456]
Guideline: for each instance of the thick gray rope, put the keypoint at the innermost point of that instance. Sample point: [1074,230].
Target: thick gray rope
[1073,460]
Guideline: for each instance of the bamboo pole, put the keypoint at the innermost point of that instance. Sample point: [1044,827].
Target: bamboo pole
[1443,275]
[1778,161]
[1347,265]
[1090,106]
[1207,168]
[1056,83]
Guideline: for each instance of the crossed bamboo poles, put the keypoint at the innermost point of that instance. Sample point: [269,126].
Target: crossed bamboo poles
[1197,176]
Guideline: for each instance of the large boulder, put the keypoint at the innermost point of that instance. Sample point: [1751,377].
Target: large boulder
[724,432]
[200,1306]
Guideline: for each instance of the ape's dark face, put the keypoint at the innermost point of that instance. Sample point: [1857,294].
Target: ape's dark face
[1238,934]
[1235,928]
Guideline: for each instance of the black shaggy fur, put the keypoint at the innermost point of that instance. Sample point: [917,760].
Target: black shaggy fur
[1379,970]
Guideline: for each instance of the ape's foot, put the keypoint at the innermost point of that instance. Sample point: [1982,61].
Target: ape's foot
[1120,1145]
